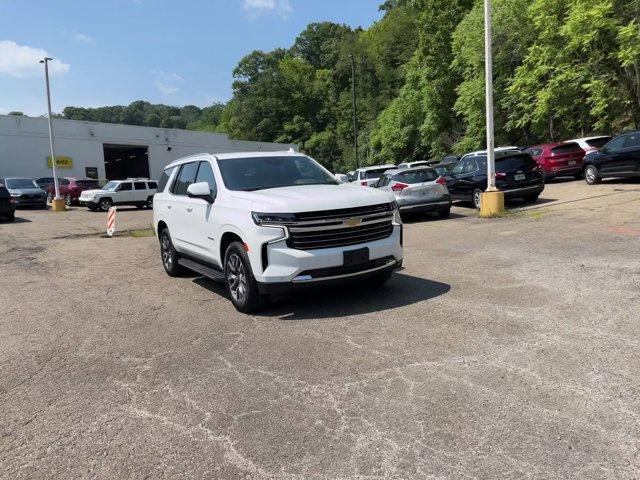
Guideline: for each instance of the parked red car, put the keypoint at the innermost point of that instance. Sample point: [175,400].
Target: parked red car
[558,159]
[70,188]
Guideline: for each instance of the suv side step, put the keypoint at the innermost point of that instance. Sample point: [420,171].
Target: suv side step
[212,273]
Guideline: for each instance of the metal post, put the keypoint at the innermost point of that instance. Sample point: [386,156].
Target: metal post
[353,102]
[53,156]
[491,159]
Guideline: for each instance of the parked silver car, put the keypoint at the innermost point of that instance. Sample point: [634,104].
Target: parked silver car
[417,190]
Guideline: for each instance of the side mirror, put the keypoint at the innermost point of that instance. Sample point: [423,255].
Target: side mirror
[200,190]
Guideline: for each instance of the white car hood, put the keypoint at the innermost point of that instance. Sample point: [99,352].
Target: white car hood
[311,198]
[88,193]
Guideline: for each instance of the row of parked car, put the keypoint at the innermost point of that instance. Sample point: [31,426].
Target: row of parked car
[520,172]
[29,192]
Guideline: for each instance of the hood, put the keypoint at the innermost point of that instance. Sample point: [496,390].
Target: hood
[310,198]
[28,190]
[92,191]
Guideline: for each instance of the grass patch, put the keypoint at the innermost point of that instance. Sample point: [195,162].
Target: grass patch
[533,214]
[140,233]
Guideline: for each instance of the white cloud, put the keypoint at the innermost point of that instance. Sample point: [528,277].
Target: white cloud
[166,82]
[257,7]
[81,37]
[22,61]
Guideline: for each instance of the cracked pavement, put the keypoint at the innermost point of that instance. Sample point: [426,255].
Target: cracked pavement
[505,349]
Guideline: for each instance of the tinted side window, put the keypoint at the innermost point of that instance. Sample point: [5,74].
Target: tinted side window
[62,181]
[616,143]
[632,140]
[534,152]
[205,174]
[164,178]
[140,185]
[153,185]
[125,187]
[186,177]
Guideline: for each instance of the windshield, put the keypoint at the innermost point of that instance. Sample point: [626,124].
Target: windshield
[369,174]
[111,186]
[260,173]
[20,183]
[418,176]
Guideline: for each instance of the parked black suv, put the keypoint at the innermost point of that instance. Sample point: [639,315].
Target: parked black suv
[7,208]
[620,157]
[517,175]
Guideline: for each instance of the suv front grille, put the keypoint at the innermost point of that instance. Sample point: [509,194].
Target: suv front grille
[340,228]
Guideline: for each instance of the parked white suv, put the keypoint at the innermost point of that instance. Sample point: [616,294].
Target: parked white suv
[138,192]
[368,176]
[267,223]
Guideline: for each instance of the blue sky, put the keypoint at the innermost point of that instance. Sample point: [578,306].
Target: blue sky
[175,52]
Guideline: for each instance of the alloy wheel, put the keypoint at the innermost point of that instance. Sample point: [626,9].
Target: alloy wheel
[477,195]
[236,278]
[105,205]
[67,200]
[167,254]
[590,175]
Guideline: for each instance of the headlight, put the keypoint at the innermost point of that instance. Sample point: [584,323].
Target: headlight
[397,219]
[277,219]
[15,193]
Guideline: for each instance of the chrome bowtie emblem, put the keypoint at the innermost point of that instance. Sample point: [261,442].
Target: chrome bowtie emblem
[353,222]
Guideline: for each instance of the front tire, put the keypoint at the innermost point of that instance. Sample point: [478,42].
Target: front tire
[105,204]
[592,175]
[444,213]
[239,280]
[67,200]
[149,203]
[169,255]
[11,216]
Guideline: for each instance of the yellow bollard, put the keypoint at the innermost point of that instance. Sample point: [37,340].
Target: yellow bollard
[491,204]
[57,205]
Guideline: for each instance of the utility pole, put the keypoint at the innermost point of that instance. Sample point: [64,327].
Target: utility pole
[492,201]
[57,204]
[353,103]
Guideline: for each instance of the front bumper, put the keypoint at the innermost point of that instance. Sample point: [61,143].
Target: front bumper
[332,276]
[39,201]
[87,202]
[280,264]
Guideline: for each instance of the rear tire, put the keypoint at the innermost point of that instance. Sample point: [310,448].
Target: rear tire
[169,255]
[67,200]
[477,195]
[578,176]
[592,175]
[149,203]
[531,198]
[239,280]
[11,216]
[444,213]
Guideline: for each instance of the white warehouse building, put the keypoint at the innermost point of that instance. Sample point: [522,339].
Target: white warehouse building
[105,151]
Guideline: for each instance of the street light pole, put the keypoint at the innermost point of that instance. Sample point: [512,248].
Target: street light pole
[492,200]
[353,103]
[488,73]
[57,203]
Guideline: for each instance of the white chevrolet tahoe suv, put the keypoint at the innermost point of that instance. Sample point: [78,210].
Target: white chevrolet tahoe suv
[138,192]
[267,223]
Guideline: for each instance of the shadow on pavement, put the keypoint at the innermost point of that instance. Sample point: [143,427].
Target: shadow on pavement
[349,299]
[15,220]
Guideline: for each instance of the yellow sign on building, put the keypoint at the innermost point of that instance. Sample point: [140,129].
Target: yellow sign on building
[61,162]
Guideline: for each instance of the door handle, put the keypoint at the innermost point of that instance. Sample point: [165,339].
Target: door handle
[189,209]
[169,207]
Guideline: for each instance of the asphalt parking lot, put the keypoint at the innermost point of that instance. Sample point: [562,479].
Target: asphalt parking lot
[506,348]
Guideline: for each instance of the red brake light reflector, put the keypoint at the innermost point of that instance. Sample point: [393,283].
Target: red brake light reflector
[441,181]
[396,187]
